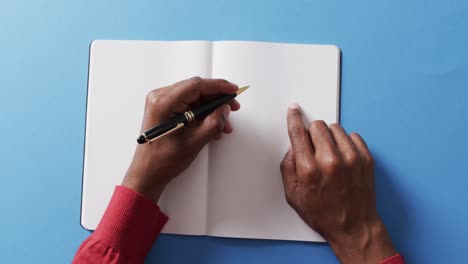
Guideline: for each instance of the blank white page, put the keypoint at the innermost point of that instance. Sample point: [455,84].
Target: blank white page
[246,196]
[121,73]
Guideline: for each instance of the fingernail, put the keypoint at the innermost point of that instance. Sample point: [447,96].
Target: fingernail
[226,111]
[294,106]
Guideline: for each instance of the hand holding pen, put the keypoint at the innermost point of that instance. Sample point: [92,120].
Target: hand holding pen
[155,165]
[182,120]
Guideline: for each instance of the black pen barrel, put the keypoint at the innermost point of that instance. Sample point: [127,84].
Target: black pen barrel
[209,107]
[161,129]
[198,113]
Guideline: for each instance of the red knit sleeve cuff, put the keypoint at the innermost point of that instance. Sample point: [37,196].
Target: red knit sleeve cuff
[395,259]
[130,224]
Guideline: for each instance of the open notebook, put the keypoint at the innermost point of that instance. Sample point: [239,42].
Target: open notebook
[234,187]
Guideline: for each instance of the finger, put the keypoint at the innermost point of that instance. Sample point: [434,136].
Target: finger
[235,105]
[361,146]
[217,86]
[300,141]
[366,156]
[288,172]
[228,127]
[218,137]
[211,126]
[346,147]
[322,140]
[191,90]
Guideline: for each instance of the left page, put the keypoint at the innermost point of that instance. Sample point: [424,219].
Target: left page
[121,73]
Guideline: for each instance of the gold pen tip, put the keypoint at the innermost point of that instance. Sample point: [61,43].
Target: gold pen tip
[242,89]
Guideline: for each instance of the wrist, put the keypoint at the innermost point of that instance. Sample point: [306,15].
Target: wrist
[143,184]
[371,245]
[152,192]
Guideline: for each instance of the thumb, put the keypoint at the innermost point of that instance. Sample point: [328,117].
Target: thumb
[211,126]
[288,171]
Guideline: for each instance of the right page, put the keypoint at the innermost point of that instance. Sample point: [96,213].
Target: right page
[245,191]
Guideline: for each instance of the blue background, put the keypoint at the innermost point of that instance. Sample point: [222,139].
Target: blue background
[404,88]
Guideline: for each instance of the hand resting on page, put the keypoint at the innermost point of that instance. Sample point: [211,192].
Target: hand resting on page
[328,179]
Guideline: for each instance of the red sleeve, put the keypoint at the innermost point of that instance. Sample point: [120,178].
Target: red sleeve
[396,259]
[126,232]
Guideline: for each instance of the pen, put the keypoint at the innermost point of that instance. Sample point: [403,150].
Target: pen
[181,120]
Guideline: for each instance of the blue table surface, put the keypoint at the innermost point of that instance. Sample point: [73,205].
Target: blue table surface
[404,88]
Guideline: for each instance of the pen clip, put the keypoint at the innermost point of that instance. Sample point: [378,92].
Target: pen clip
[179,126]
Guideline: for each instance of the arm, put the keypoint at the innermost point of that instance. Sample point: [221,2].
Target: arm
[126,232]
[328,178]
[132,220]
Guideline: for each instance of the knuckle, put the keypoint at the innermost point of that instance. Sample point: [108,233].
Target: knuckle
[153,98]
[334,126]
[224,81]
[354,134]
[351,159]
[317,124]
[309,169]
[215,124]
[196,81]
[331,165]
